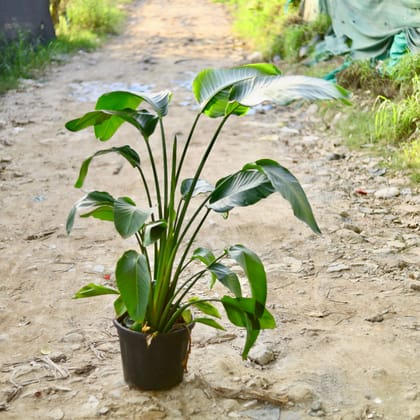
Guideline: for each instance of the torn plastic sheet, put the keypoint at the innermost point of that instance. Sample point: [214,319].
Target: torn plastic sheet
[372,24]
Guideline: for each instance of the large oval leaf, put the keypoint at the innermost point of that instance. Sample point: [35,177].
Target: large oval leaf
[143,120]
[289,187]
[254,271]
[244,188]
[134,283]
[201,187]
[128,218]
[125,151]
[93,289]
[119,100]
[211,86]
[94,199]
[285,89]
[227,277]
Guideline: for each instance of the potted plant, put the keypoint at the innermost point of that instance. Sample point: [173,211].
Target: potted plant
[155,283]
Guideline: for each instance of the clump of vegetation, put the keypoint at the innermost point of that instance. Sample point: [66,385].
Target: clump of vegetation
[275,27]
[89,20]
[20,59]
[80,24]
[360,75]
[392,124]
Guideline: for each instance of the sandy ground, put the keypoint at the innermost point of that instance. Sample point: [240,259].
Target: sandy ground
[346,303]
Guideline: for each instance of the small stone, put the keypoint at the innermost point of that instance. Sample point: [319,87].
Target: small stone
[337,267]
[73,338]
[415,286]
[103,411]
[255,57]
[386,193]
[354,228]
[56,414]
[336,156]
[261,354]
[98,268]
[115,394]
[263,413]
[316,405]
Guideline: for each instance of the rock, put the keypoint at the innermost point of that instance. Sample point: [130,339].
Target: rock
[73,337]
[336,156]
[288,130]
[415,286]
[261,354]
[316,405]
[300,393]
[263,413]
[386,193]
[337,267]
[103,411]
[255,57]
[56,414]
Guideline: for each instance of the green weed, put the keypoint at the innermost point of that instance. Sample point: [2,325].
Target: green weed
[82,24]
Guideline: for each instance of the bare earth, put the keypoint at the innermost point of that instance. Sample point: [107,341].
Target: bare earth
[346,303]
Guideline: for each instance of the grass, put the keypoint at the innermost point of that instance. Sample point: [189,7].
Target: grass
[83,24]
[389,126]
[274,29]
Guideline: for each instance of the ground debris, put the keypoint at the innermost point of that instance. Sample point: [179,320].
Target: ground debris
[245,394]
[42,235]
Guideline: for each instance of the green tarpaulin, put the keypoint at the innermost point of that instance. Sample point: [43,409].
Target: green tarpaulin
[372,24]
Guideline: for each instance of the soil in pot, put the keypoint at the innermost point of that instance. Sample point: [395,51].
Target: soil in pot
[157,364]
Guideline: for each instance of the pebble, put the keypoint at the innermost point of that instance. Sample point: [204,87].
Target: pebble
[263,413]
[103,411]
[255,57]
[336,156]
[73,338]
[385,193]
[261,354]
[337,267]
[56,414]
[98,268]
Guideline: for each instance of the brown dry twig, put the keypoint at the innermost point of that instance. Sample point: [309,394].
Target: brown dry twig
[245,394]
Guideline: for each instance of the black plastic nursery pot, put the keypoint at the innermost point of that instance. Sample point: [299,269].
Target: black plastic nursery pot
[159,364]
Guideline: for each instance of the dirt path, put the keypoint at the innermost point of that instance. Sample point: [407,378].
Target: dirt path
[347,343]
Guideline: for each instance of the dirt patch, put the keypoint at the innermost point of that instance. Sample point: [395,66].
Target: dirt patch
[346,302]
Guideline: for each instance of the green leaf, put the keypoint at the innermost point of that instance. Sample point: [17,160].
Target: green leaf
[93,289]
[93,199]
[154,231]
[128,219]
[119,307]
[289,187]
[204,307]
[118,100]
[242,312]
[125,151]
[243,188]
[210,322]
[102,213]
[211,87]
[284,89]
[134,284]
[227,277]
[201,187]
[88,120]
[143,120]
[254,271]
[204,255]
